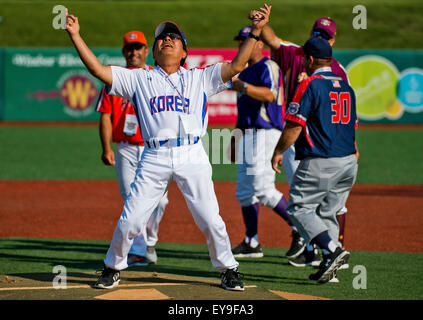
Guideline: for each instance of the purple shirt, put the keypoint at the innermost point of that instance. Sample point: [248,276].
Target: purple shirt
[291,65]
[258,114]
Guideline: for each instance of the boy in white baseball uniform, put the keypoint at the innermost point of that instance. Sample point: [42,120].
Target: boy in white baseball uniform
[171,108]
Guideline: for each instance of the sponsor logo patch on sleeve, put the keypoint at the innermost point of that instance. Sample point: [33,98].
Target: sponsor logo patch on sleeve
[293,108]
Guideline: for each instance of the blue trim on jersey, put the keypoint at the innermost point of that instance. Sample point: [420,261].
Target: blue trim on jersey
[135,104]
[204,107]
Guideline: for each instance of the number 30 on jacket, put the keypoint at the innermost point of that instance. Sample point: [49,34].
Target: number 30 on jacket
[341,107]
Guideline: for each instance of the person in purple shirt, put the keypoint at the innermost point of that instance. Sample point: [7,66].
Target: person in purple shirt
[259,121]
[321,120]
[289,57]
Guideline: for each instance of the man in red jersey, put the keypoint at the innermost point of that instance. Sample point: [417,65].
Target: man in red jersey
[118,123]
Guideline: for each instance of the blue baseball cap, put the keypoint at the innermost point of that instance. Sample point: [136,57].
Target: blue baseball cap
[243,33]
[318,48]
[170,27]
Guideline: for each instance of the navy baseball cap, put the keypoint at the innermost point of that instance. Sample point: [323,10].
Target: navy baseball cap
[170,27]
[243,33]
[318,48]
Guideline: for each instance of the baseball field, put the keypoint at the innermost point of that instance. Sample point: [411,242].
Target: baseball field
[59,204]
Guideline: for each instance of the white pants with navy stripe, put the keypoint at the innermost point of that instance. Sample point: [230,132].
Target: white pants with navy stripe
[190,168]
[127,158]
[255,176]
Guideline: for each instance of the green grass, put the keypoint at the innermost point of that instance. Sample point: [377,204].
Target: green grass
[52,154]
[391,24]
[390,276]
[55,153]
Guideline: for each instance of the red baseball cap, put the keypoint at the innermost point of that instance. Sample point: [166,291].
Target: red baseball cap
[134,36]
[326,25]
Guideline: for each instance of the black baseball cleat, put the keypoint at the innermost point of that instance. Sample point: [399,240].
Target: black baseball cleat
[329,265]
[297,246]
[307,258]
[109,279]
[231,280]
[244,250]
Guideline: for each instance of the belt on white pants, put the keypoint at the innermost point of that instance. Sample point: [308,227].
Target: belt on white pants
[175,142]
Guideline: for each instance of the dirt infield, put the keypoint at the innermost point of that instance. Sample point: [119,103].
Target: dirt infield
[380,218]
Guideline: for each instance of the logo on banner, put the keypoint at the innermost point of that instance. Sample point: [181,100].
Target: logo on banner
[375,79]
[77,91]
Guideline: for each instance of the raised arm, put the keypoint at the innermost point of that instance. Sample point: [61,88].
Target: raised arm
[94,66]
[260,19]
[269,37]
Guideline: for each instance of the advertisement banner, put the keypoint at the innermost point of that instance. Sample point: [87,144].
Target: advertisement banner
[388,84]
[221,107]
[52,84]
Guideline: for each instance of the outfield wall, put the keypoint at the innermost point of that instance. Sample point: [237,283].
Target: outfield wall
[51,84]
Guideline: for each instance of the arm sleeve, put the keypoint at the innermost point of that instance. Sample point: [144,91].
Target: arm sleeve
[285,55]
[123,83]
[344,76]
[212,80]
[300,107]
[271,77]
[104,103]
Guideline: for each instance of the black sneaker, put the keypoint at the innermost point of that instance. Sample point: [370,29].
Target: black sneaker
[307,258]
[109,279]
[297,246]
[231,280]
[329,265]
[244,250]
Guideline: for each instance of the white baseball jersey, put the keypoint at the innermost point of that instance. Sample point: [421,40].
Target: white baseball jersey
[159,98]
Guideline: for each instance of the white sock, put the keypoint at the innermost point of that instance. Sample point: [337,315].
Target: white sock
[253,242]
[332,246]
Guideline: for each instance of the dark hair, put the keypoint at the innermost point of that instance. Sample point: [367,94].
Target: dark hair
[319,61]
[320,33]
[323,61]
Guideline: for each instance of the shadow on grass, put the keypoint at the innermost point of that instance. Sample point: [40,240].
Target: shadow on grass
[79,256]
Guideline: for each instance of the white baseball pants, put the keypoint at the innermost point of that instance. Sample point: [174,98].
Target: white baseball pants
[190,168]
[127,158]
[255,176]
